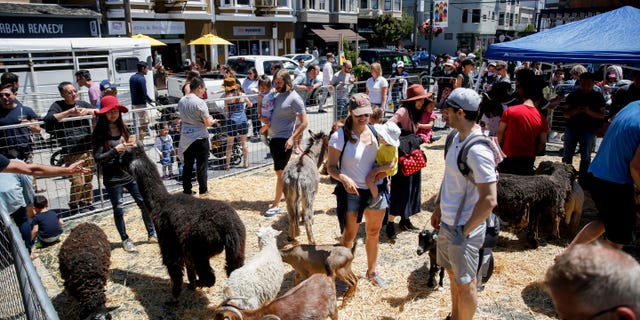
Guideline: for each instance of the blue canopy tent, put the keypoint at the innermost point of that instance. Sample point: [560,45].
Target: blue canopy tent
[610,37]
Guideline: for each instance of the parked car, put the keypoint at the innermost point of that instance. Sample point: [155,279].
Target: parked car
[296,56]
[241,64]
[422,58]
[388,58]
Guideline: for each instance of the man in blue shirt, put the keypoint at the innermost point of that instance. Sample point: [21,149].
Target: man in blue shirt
[615,170]
[140,98]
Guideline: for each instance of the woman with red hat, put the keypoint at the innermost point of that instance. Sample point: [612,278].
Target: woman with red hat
[110,138]
[405,191]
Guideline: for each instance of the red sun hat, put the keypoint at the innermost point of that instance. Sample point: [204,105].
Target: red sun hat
[416,91]
[109,103]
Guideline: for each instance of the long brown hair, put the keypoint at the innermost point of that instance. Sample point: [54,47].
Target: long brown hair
[101,132]
[348,129]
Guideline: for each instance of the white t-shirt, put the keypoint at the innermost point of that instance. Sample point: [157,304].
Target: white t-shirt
[327,74]
[481,161]
[375,89]
[357,160]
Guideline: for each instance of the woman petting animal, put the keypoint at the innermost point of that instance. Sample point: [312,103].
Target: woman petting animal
[110,138]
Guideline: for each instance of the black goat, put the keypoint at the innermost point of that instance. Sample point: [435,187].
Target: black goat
[428,241]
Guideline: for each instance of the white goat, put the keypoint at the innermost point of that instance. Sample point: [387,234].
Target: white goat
[259,280]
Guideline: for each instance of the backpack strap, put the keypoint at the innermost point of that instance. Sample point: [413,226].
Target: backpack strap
[464,152]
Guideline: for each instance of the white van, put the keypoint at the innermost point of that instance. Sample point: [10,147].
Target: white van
[42,64]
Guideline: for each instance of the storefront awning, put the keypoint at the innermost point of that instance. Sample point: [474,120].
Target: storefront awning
[333,35]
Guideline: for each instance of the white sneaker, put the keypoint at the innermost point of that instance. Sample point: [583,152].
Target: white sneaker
[128,246]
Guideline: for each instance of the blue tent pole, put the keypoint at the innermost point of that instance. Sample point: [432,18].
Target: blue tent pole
[430,40]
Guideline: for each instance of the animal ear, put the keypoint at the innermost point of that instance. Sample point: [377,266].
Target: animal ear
[311,133]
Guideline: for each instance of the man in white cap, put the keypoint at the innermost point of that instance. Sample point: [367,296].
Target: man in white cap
[464,203]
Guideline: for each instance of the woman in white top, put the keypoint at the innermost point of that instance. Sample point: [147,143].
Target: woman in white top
[352,155]
[250,88]
[377,86]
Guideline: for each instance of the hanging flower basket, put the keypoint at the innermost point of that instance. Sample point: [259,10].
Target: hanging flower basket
[428,30]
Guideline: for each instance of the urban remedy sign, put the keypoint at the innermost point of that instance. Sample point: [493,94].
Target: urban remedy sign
[11,27]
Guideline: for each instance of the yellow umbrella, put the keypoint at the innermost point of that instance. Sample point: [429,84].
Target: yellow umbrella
[154,42]
[210,39]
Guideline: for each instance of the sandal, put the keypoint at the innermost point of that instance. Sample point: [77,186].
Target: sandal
[376,280]
[271,212]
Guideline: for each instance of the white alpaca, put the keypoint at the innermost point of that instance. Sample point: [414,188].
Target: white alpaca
[259,280]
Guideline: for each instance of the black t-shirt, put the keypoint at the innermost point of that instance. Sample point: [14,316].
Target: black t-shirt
[109,159]
[594,101]
[16,141]
[73,136]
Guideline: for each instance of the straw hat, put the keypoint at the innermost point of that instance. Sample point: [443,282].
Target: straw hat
[230,84]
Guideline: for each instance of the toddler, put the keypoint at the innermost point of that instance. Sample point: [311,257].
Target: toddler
[377,115]
[265,103]
[46,224]
[386,159]
[425,126]
[164,147]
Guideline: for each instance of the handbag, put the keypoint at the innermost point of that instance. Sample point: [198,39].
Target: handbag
[412,162]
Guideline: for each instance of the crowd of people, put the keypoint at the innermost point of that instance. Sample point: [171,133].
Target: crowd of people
[363,152]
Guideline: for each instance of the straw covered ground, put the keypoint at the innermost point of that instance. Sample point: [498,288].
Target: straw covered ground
[139,284]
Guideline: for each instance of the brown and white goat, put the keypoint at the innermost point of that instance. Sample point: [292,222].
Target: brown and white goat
[332,260]
[312,299]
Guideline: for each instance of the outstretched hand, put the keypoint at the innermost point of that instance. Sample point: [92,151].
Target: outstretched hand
[77,168]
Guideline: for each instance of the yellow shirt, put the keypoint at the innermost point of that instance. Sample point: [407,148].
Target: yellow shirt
[387,154]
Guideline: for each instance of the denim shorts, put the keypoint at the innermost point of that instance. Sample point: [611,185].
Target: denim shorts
[459,253]
[356,203]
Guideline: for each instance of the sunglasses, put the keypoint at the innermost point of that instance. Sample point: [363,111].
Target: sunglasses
[6,95]
[366,115]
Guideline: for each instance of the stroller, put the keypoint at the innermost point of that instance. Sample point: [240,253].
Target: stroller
[219,141]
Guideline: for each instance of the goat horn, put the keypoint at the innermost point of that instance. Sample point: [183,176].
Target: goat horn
[231,309]
[270,316]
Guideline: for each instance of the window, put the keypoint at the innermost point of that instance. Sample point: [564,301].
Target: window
[226,2]
[242,2]
[475,16]
[126,65]
[387,5]
[501,19]
[516,19]
[397,5]
[323,5]
[312,4]
[493,16]
[484,17]
[283,3]
[511,20]
[363,4]
[374,4]
[465,15]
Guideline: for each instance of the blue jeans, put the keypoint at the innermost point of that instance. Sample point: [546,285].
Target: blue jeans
[342,111]
[197,152]
[571,139]
[117,202]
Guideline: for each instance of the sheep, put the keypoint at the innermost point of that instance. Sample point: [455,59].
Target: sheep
[428,242]
[259,280]
[312,299]
[190,230]
[300,185]
[525,199]
[573,204]
[331,260]
[84,259]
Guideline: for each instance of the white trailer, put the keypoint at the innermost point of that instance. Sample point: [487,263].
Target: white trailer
[42,64]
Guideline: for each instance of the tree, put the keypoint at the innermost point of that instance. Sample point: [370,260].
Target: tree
[407,23]
[387,30]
